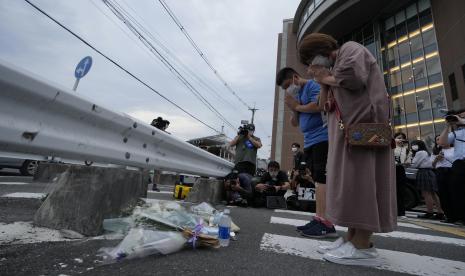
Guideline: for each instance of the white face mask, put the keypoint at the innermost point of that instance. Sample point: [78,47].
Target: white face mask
[322,61]
[274,174]
[294,149]
[293,90]
[415,147]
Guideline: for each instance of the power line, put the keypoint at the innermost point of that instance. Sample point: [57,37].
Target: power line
[199,51]
[119,66]
[184,67]
[129,23]
[203,56]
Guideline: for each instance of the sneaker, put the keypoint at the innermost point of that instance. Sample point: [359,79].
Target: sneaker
[426,216]
[322,249]
[320,231]
[347,254]
[308,225]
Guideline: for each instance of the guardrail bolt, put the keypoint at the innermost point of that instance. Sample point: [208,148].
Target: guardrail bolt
[147,160]
[127,155]
[134,125]
[144,146]
[125,139]
[153,132]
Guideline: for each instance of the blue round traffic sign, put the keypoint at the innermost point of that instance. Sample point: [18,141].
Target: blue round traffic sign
[83,67]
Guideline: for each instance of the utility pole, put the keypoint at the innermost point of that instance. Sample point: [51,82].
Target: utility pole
[253,112]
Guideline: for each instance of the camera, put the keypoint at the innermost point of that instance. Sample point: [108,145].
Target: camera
[302,168]
[243,130]
[160,123]
[231,178]
[453,117]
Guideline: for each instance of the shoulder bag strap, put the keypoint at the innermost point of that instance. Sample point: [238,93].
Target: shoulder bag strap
[336,109]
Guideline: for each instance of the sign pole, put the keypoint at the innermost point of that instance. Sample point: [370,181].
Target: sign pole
[76,84]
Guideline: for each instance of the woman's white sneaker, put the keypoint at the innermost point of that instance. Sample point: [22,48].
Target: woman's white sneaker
[347,254]
[322,249]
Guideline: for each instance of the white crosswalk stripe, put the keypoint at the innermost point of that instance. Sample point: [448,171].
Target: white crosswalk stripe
[14,183]
[25,195]
[395,234]
[409,225]
[161,192]
[391,260]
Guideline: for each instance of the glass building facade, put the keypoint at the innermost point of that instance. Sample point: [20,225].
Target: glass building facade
[407,51]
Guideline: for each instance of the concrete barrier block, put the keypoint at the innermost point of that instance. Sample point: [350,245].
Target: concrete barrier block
[46,172]
[208,190]
[83,196]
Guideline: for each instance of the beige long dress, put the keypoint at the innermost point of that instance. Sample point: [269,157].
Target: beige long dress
[361,190]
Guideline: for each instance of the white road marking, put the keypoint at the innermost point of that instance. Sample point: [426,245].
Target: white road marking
[391,260]
[160,192]
[434,222]
[395,234]
[294,212]
[14,183]
[413,213]
[409,214]
[25,195]
[299,222]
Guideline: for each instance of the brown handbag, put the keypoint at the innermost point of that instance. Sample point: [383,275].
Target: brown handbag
[367,135]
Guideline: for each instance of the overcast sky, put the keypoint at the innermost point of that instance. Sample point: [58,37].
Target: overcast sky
[239,37]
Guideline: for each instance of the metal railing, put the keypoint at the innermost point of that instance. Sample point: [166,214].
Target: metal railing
[37,117]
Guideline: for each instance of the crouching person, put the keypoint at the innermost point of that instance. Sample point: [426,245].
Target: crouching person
[238,187]
[273,183]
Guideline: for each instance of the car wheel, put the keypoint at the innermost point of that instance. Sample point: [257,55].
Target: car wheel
[410,197]
[29,167]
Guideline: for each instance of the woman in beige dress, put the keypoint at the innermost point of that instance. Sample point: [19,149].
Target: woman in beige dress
[361,193]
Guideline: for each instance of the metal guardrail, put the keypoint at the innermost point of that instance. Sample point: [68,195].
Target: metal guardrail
[37,117]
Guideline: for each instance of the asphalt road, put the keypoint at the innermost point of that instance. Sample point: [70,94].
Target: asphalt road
[266,245]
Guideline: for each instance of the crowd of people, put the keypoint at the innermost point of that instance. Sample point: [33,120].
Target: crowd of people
[357,185]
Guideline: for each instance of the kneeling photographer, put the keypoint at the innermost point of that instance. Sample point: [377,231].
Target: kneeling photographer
[238,187]
[454,133]
[273,183]
[246,149]
[303,188]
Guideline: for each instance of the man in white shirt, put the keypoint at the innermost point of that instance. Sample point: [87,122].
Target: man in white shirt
[442,159]
[454,133]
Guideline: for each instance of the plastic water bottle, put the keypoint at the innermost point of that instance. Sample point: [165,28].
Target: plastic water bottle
[224,228]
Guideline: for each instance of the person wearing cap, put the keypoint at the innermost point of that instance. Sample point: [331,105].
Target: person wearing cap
[273,183]
[246,151]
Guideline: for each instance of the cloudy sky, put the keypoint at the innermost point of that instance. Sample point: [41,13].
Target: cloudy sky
[239,38]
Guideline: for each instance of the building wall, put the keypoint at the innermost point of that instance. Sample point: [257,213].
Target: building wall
[284,134]
[449,18]
[402,36]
